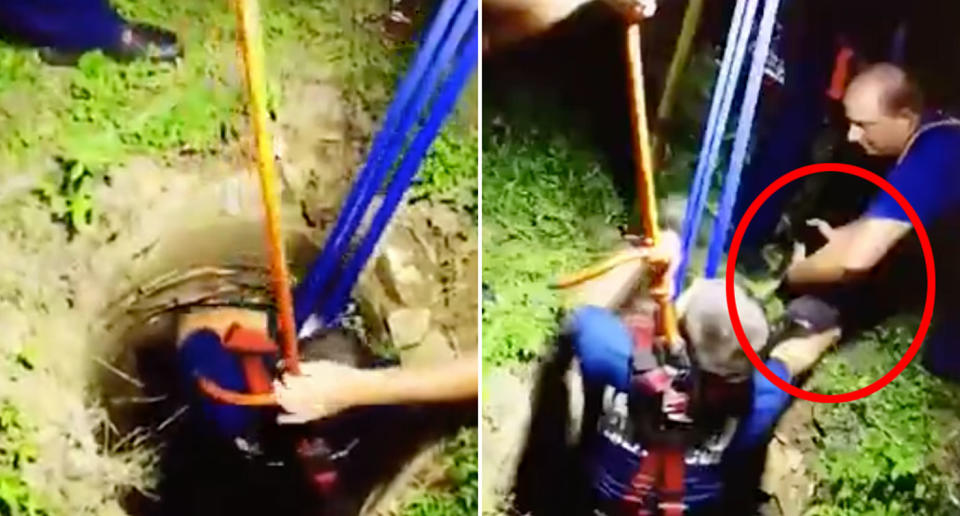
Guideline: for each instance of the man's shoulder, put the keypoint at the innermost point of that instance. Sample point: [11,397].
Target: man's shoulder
[928,174]
[939,137]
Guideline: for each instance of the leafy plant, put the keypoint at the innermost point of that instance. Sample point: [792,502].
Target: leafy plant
[449,170]
[549,208]
[458,495]
[16,451]
[70,200]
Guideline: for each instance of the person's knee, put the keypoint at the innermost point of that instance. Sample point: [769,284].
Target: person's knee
[819,329]
[813,314]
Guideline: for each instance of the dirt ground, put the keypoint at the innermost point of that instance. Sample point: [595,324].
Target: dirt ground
[65,303]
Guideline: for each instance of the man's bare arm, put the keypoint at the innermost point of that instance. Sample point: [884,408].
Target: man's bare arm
[326,388]
[852,250]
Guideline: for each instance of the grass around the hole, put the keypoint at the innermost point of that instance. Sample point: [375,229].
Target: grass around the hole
[548,208]
[457,493]
[17,498]
[895,451]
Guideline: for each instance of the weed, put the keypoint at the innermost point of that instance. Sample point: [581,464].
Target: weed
[16,451]
[458,494]
[449,171]
[547,210]
[70,200]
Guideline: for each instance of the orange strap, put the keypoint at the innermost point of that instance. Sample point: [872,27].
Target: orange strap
[217,393]
[642,150]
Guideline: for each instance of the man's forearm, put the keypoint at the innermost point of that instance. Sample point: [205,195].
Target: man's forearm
[824,266]
[827,264]
[454,381]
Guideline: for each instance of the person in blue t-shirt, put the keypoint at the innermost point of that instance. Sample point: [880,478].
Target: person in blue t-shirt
[732,420]
[872,267]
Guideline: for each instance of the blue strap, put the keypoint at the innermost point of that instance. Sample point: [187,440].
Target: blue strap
[748,110]
[742,24]
[446,101]
[401,115]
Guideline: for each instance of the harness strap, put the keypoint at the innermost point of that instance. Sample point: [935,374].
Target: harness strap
[663,469]
[671,486]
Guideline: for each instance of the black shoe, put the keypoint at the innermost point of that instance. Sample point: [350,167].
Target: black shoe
[142,41]
[137,41]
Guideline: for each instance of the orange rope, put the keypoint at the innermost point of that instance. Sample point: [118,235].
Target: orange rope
[646,201]
[598,270]
[217,393]
[251,49]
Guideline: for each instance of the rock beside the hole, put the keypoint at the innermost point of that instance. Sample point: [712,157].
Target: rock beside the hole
[408,326]
[446,221]
[434,349]
[405,271]
[783,477]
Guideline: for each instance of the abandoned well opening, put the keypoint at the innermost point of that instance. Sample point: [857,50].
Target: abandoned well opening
[193,469]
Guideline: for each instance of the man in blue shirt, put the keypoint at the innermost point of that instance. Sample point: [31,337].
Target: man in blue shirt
[872,267]
[736,413]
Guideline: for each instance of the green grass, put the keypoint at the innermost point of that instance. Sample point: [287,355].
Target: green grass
[101,112]
[458,493]
[548,209]
[895,451]
[449,171]
[16,452]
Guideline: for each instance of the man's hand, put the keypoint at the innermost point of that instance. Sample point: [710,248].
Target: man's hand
[851,251]
[667,251]
[634,10]
[799,253]
[323,389]
[508,21]
[824,227]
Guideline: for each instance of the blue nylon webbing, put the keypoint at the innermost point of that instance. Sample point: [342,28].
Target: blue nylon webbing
[401,115]
[721,227]
[741,26]
[446,101]
[461,25]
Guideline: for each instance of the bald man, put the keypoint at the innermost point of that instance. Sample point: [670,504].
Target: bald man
[873,267]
